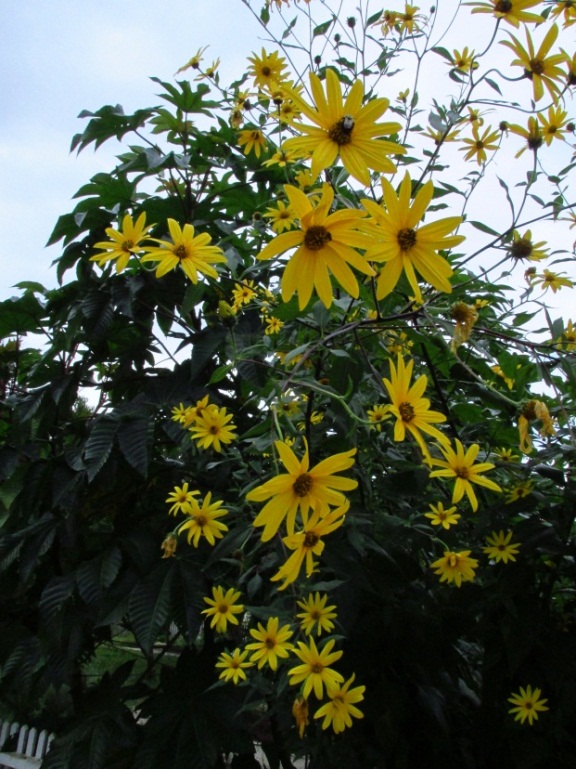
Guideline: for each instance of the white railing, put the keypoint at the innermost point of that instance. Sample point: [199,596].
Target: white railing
[31,745]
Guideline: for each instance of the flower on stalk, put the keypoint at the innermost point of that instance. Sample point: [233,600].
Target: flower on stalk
[243,293]
[460,466]
[316,613]
[233,666]
[519,491]
[123,243]
[273,325]
[512,11]
[344,129]
[271,643]
[223,608]
[301,489]
[300,713]
[388,22]
[169,546]
[441,517]
[533,135]
[267,69]
[191,252]
[340,708]
[553,125]
[378,414]
[324,244]
[541,69]
[408,20]
[315,671]
[477,145]
[282,217]
[567,8]
[182,414]
[553,280]
[463,61]
[202,520]
[194,62]
[455,567]
[527,705]
[411,410]
[523,247]
[567,341]
[405,247]
[532,410]
[179,498]
[507,455]
[500,548]
[465,316]
[212,428]
[254,139]
[308,543]
[210,71]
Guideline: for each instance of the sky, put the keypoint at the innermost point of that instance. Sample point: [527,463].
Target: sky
[60,57]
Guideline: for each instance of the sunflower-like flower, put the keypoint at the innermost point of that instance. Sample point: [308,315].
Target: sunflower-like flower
[465,316]
[300,711]
[325,244]
[527,705]
[282,217]
[531,411]
[123,243]
[301,489]
[179,498]
[308,543]
[252,139]
[190,251]
[554,280]
[441,517]
[271,643]
[477,145]
[315,614]
[455,567]
[315,671]
[233,665]
[344,129]
[411,410]
[267,69]
[243,293]
[378,414]
[513,11]
[405,247]
[213,428]
[500,548]
[532,134]
[541,69]
[553,124]
[460,466]
[203,520]
[464,61]
[223,608]
[341,706]
[523,247]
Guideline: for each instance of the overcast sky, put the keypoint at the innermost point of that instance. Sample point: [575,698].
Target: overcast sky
[59,57]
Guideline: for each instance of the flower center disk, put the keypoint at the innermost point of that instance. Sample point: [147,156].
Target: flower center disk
[316,237]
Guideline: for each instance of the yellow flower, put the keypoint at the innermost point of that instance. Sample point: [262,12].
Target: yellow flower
[377,414]
[308,543]
[498,371]
[123,243]
[194,62]
[254,139]
[181,413]
[463,61]
[282,217]
[223,608]
[568,339]
[267,69]
[169,546]
[449,134]
[465,316]
[273,325]
[523,247]
[404,246]
[300,713]
[553,125]
[202,520]
[441,517]
[212,429]
[527,705]
[179,498]
[532,410]
[316,613]
[344,129]
[408,19]
[500,548]
[507,455]
[398,343]
[455,567]
[460,466]
[512,11]
[553,280]
[566,7]
[301,489]
[411,410]
[490,140]
[233,666]
[243,293]
[389,22]
[340,708]
[210,71]
[519,491]
[541,69]
[532,134]
[324,244]
[271,643]
[191,252]
[315,671]
[200,409]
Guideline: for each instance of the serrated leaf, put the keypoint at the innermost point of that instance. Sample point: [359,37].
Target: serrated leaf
[149,604]
[99,445]
[134,434]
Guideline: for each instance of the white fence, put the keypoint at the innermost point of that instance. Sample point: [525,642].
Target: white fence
[31,745]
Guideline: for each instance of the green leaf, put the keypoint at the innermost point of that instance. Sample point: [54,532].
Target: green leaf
[99,445]
[321,29]
[483,227]
[134,438]
[149,604]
